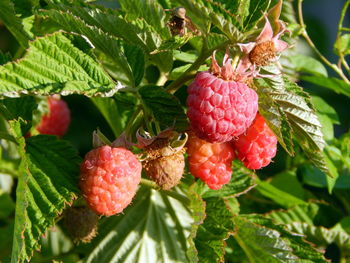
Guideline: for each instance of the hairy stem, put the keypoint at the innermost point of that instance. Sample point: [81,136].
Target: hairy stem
[304,33]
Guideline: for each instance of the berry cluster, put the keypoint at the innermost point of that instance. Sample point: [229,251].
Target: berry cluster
[223,114]
[224,124]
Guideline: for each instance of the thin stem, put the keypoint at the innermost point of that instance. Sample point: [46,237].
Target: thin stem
[340,30]
[192,70]
[342,16]
[344,63]
[312,45]
[345,29]
[163,77]
[183,199]
[131,120]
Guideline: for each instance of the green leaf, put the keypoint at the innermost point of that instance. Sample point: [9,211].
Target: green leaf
[342,45]
[243,180]
[308,65]
[102,41]
[136,59]
[276,118]
[150,10]
[47,183]
[5,57]
[6,231]
[256,11]
[324,108]
[188,57]
[265,241]
[206,12]
[337,85]
[116,110]
[19,109]
[165,107]
[197,207]
[296,106]
[211,235]
[109,109]
[54,65]
[152,229]
[173,43]
[13,23]
[279,196]
[137,32]
[287,181]
[305,220]
[310,213]
[25,7]
[7,205]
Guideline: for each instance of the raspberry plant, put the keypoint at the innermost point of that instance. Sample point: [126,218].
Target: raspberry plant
[143,86]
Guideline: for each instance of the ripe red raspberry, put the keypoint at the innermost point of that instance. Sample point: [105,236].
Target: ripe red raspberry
[56,122]
[220,108]
[109,178]
[257,146]
[211,162]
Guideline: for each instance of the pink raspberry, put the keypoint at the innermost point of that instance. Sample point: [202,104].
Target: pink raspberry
[257,146]
[220,108]
[109,178]
[211,162]
[56,122]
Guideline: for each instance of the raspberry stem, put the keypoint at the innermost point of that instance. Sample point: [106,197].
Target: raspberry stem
[304,33]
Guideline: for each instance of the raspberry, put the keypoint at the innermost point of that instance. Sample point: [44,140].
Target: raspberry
[166,171]
[81,223]
[56,122]
[109,178]
[164,165]
[258,146]
[220,108]
[211,162]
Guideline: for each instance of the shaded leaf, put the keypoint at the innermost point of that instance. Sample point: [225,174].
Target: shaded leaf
[19,109]
[13,23]
[136,59]
[165,107]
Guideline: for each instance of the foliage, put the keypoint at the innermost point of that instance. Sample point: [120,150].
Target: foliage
[124,73]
